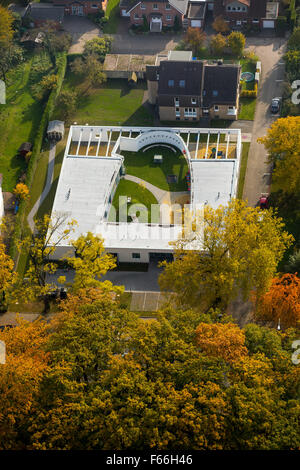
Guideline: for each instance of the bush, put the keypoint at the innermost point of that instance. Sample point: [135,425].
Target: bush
[250,93]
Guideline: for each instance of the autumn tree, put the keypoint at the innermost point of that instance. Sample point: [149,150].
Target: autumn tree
[90,262]
[40,246]
[221,340]
[218,44]
[6,26]
[236,42]
[195,38]
[282,143]
[20,378]
[281,303]
[238,249]
[7,276]
[220,25]
[21,191]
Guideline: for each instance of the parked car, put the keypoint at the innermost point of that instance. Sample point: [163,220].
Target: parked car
[275,105]
[264,201]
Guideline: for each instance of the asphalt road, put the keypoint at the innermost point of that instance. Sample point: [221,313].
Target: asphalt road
[270,51]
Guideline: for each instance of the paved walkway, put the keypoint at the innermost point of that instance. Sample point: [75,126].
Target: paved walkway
[82,30]
[162,196]
[50,173]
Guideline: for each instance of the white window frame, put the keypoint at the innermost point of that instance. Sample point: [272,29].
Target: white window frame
[216,108]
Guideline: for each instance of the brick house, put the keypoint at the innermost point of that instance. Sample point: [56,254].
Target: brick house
[81,7]
[158,13]
[239,13]
[191,90]
[192,13]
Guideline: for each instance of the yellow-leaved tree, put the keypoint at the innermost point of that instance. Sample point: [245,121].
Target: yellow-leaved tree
[282,143]
[233,248]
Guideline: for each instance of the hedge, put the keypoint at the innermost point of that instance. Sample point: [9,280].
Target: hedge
[61,64]
[250,93]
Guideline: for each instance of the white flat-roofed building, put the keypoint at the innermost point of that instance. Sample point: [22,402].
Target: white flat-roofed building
[93,165]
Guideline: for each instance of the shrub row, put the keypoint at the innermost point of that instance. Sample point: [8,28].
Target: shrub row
[61,63]
[250,93]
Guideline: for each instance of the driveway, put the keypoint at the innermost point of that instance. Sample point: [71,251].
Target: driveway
[148,44]
[82,30]
[270,52]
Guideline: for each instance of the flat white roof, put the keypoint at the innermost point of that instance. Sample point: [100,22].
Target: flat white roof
[83,188]
[87,181]
[213,182]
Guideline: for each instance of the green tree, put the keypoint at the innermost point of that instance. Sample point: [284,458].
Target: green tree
[10,56]
[98,46]
[66,102]
[294,40]
[90,68]
[239,248]
[236,42]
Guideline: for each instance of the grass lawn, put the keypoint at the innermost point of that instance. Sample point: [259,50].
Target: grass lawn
[113,14]
[113,103]
[139,195]
[247,109]
[141,164]
[19,121]
[243,168]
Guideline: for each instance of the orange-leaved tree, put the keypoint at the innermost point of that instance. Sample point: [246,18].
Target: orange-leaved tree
[195,38]
[20,377]
[281,303]
[221,340]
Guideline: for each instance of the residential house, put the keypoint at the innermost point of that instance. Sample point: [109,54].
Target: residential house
[158,13]
[194,89]
[40,13]
[192,13]
[239,13]
[81,7]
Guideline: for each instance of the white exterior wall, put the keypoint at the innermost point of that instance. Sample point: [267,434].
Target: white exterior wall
[149,138]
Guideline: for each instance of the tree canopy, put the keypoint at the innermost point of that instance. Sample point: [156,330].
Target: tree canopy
[240,248]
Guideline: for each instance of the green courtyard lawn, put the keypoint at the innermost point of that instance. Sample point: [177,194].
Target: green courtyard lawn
[141,164]
[113,14]
[138,195]
[114,102]
[19,121]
